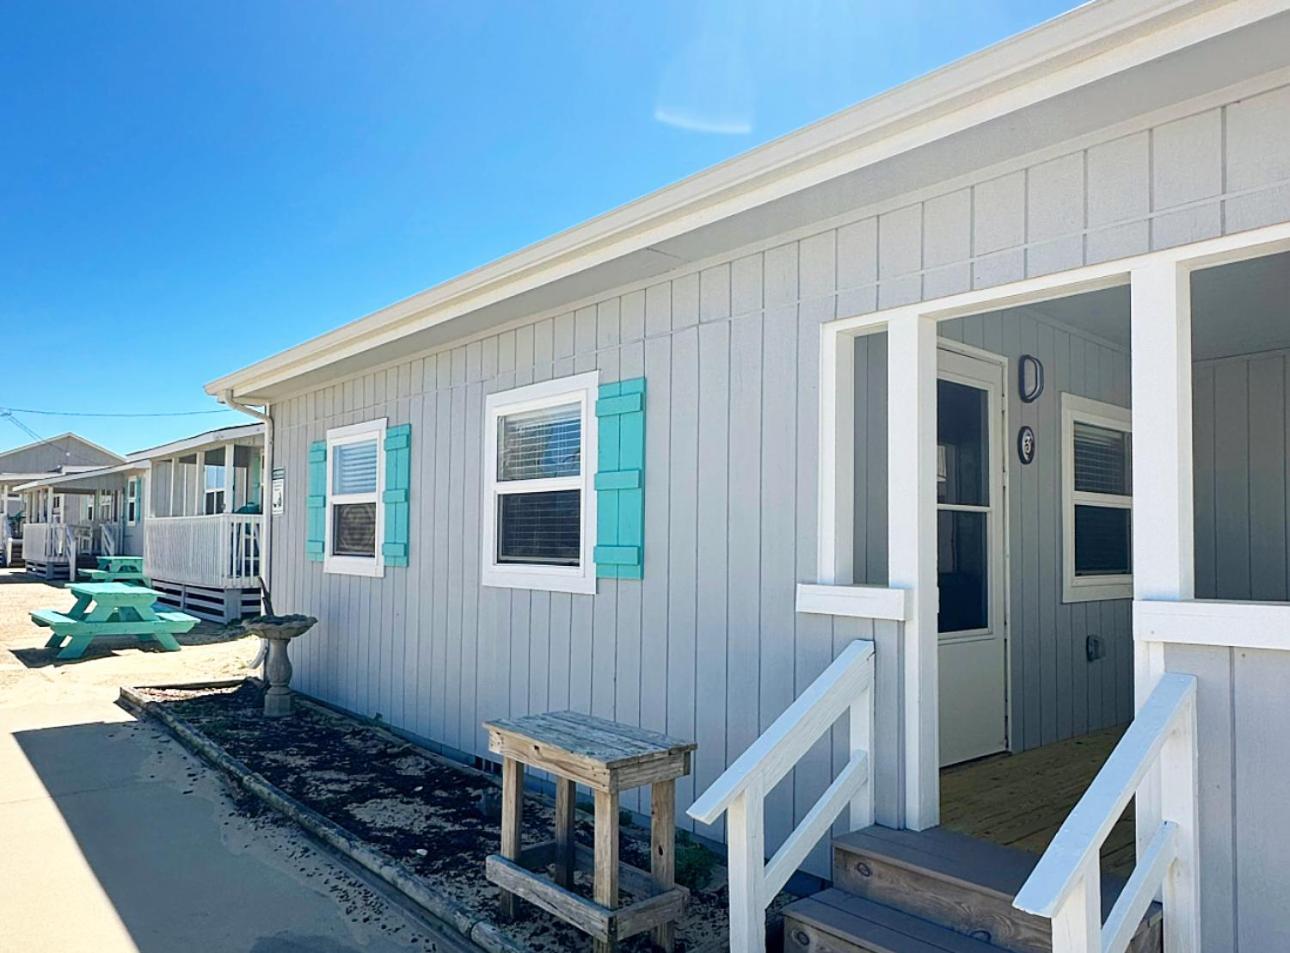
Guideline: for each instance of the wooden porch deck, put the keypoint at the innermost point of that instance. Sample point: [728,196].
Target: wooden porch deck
[1020,800]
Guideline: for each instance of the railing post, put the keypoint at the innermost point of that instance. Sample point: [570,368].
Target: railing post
[1179,802]
[1077,923]
[746,849]
[860,733]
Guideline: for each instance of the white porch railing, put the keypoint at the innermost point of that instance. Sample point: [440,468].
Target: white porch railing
[51,542]
[1065,886]
[845,686]
[109,546]
[220,551]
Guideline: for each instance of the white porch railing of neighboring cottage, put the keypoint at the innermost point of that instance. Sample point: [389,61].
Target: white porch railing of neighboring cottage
[108,536]
[220,551]
[1065,886]
[846,686]
[51,542]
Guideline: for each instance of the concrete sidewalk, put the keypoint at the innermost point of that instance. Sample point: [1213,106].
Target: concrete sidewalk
[116,839]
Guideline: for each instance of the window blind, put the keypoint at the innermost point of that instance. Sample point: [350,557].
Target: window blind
[540,444]
[541,528]
[354,468]
[1101,460]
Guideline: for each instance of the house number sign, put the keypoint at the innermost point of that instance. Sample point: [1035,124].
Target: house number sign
[1026,445]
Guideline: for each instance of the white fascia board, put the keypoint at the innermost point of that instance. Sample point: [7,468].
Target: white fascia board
[1248,625]
[858,602]
[1089,43]
[209,439]
[85,476]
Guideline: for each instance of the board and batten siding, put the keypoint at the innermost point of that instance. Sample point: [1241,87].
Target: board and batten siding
[708,644]
[1241,447]
[1056,692]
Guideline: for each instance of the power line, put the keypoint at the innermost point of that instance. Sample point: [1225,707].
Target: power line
[7,411]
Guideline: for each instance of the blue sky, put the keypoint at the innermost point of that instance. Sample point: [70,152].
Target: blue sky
[187,187]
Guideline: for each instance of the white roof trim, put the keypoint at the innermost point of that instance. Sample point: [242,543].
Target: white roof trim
[209,439]
[1089,43]
[94,474]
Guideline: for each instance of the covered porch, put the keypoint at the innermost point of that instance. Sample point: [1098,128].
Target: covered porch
[203,521]
[70,519]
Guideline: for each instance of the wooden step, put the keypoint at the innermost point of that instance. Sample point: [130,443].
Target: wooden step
[961,883]
[838,922]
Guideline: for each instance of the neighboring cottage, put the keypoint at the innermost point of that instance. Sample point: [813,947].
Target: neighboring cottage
[989,372]
[66,453]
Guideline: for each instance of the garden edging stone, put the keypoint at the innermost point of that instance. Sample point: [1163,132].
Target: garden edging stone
[390,871]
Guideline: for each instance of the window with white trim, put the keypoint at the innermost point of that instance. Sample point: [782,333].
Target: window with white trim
[355,516]
[539,495]
[132,501]
[1097,500]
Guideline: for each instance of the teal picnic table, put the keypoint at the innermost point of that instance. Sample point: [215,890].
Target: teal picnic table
[118,569]
[111,608]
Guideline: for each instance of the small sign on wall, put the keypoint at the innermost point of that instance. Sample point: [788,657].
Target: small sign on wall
[278,492]
[1026,445]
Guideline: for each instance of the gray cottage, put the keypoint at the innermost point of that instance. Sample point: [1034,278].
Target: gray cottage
[953,427]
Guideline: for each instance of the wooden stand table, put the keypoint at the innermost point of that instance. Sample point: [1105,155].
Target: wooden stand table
[608,758]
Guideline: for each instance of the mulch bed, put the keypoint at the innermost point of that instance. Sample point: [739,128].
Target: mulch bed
[436,817]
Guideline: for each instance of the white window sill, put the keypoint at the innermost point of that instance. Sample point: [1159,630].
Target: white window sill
[353,566]
[1097,589]
[545,579]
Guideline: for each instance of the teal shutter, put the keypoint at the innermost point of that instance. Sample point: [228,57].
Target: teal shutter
[620,480]
[316,502]
[398,476]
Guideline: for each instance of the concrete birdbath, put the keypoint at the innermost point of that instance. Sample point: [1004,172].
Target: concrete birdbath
[277,631]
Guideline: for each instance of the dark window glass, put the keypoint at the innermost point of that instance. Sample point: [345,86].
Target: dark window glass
[961,436]
[1102,460]
[542,528]
[962,571]
[353,531]
[1102,541]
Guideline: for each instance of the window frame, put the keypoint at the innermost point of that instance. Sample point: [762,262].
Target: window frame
[132,485]
[374,565]
[582,389]
[1096,413]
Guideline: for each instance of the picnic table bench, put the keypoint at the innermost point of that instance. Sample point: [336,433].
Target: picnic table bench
[111,608]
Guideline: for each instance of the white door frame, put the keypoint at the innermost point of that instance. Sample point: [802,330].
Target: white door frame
[1000,547]
[1162,455]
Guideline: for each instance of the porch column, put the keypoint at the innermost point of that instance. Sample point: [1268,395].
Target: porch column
[174,487]
[911,546]
[228,478]
[1163,531]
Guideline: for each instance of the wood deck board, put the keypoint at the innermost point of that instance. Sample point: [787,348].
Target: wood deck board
[865,925]
[1020,800]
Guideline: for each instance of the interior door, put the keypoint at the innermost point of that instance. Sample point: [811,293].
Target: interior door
[970,557]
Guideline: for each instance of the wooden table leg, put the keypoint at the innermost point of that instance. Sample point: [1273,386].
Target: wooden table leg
[662,850]
[512,821]
[606,865]
[564,843]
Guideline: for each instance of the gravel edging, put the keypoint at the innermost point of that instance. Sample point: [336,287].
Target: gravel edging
[481,932]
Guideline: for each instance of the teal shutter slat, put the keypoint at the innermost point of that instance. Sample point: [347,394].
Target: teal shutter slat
[620,480]
[316,502]
[398,478]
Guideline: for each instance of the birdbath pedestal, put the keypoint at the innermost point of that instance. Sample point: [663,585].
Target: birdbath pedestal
[278,631]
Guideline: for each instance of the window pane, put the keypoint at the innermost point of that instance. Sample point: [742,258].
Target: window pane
[540,444]
[962,433]
[962,571]
[353,531]
[354,468]
[1102,541]
[1102,460]
[541,528]
[214,477]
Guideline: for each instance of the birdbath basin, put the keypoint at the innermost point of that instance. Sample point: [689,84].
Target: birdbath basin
[278,630]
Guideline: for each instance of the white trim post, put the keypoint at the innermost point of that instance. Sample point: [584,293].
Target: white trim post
[228,477]
[911,544]
[1163,533]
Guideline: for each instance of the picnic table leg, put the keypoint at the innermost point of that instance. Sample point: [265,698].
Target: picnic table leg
[55,641]
[606,865]
[564,844]
[75,648]
[662,850]
[164,639]
[512,821]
